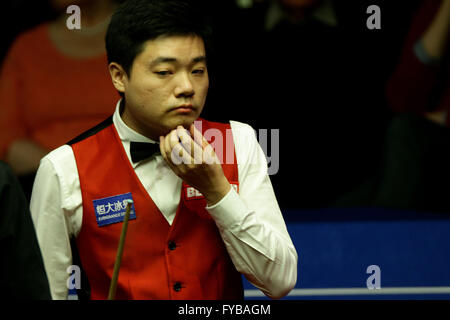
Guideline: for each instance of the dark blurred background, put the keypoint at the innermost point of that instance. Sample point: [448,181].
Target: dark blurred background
[313,70]
[20,15]
[321,83]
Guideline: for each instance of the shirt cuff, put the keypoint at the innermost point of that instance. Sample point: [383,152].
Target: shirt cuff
[229,211]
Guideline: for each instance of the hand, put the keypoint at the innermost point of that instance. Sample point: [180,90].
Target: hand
[194,161]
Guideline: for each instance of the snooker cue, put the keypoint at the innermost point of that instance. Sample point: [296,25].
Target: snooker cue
[115,276]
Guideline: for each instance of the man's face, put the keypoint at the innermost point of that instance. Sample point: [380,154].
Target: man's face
[167,86]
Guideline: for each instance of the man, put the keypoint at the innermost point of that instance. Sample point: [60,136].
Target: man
[191,234]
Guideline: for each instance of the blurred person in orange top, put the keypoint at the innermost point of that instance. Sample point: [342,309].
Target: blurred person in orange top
[51,78]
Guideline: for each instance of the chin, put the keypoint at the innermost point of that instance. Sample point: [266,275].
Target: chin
[184,121]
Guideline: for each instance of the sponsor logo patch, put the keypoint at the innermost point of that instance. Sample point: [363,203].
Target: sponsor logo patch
[112,209]
[193,194]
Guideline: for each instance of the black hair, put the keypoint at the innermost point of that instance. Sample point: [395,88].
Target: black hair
[137,21]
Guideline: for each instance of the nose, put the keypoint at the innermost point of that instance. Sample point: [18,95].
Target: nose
[184,86]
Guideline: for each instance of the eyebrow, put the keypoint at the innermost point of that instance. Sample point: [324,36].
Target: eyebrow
[174,60]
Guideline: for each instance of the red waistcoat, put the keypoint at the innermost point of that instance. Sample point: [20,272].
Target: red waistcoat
[185,260]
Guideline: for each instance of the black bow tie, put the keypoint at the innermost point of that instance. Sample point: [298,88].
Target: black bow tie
[142,150]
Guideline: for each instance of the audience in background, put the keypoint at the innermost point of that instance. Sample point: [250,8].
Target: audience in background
[420,83]
[50,80]
[414,172]
[300,67]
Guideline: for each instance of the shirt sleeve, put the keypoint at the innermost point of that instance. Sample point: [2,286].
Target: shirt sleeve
[251,223]
[52,220]
[12,126]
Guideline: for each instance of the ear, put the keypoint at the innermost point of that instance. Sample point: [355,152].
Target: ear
[118,76]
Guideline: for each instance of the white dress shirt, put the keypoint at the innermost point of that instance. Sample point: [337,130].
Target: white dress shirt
[250,223]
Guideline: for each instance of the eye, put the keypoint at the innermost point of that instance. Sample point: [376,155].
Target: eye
[163,73]
[198,71]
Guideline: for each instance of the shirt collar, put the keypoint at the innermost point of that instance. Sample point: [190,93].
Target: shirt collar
[127,134]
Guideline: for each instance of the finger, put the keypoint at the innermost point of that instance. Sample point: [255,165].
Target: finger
[181,155]
[167,147]
[173,139]
[208,154]
[177,152]
[185,138]
[198,137]
[162,148]
[170,142]
[194,150]
[166,153]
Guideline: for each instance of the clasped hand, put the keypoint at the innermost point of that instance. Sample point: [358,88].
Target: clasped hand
[194,160]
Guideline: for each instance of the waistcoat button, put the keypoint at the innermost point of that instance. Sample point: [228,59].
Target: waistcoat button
[177,286]
[172,245]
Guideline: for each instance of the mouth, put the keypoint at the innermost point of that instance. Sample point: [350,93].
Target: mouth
[184,108]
